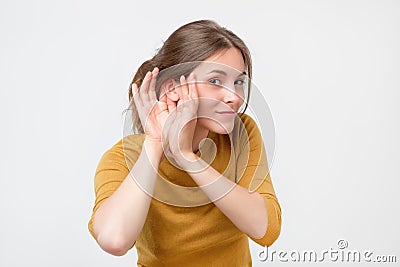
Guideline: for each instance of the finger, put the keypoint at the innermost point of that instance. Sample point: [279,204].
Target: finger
[152,86]
[161,106]
[136,96]
[141,110]
[144,89]
[193,96]
[185,89]
[170,104]
[193,88]
[178,89]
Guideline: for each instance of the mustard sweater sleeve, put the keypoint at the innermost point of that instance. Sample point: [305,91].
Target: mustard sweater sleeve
[110,173]
[253,174]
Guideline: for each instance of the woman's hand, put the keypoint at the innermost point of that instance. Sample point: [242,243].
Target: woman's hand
[152,113]
[179,130]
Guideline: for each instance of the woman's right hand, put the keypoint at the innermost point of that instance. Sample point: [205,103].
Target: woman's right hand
[152,112]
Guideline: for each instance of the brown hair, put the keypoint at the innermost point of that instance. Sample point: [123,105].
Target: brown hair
[195,41]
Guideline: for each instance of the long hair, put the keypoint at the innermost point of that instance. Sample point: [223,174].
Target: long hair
[195,41]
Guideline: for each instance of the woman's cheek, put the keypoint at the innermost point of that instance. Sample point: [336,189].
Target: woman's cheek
[204,110]
[207,101]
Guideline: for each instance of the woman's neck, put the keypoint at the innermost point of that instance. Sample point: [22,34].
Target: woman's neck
[199,134]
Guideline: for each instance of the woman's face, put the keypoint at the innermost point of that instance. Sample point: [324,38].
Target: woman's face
[220,83]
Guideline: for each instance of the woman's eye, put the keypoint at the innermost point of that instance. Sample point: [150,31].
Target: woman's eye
[239,82]
[215,81]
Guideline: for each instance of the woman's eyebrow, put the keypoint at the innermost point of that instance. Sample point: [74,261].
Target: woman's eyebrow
[224,73]
[218,71]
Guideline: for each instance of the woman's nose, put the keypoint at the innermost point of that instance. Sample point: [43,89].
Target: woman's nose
[230,95]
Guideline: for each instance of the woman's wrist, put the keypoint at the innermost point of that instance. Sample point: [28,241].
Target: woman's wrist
[188,161]
[153,150]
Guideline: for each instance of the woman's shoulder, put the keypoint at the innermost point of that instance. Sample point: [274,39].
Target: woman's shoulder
[132,142]
[125,151]
[245,127]
[247,120]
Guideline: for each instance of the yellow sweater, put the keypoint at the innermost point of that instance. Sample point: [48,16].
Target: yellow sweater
[199,235]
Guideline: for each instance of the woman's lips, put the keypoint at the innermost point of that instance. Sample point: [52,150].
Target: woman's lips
[227,113]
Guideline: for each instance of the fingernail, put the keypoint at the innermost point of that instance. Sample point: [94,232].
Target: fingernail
[134,87]
[147,74]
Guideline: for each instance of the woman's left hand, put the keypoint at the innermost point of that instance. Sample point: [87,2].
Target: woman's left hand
[180,126]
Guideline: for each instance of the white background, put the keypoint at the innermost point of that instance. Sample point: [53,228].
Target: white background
[330,73]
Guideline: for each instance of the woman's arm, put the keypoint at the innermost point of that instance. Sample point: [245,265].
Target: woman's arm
[120,218]
[247,210]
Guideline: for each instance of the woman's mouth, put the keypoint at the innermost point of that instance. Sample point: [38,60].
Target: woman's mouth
[227,113]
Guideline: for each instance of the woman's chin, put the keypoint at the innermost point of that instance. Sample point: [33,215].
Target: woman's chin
[222,129]
[217,126]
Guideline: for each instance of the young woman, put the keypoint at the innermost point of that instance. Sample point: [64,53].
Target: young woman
[192,184]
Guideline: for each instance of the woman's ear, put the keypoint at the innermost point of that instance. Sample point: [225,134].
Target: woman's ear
[169,89]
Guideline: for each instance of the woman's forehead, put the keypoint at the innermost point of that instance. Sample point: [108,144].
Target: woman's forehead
[209,68]
[231,57]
